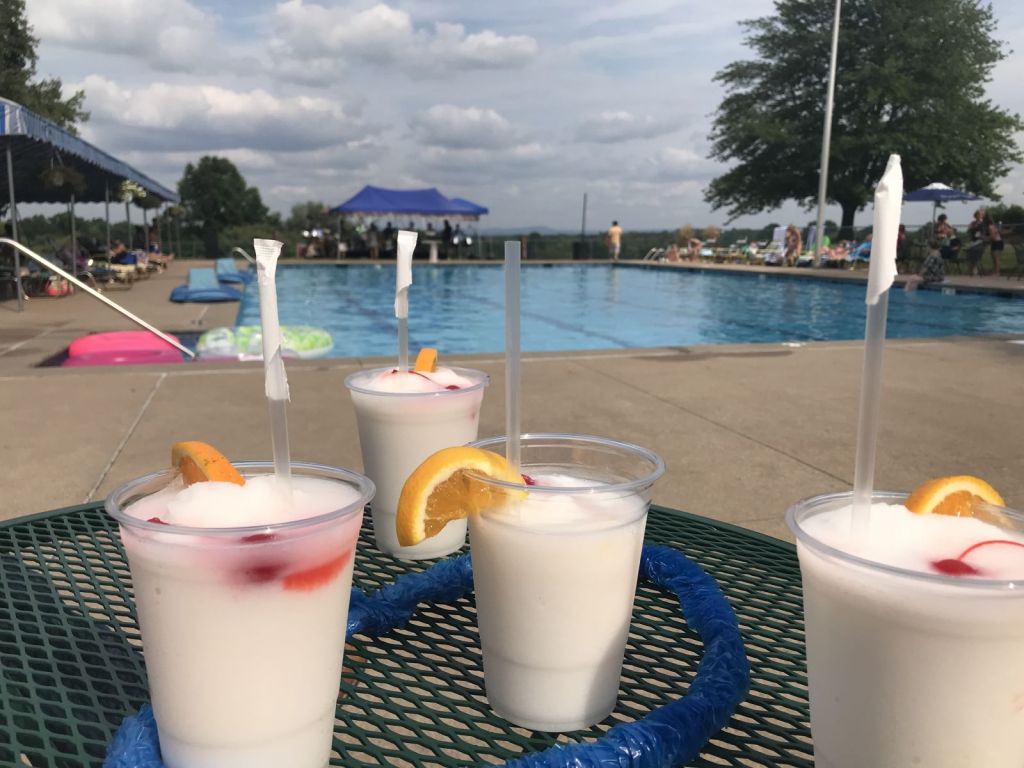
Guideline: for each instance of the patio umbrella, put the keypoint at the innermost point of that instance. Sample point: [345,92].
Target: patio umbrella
[937,194]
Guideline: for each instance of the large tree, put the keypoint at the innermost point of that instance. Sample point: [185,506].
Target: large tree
[309,215]
[216,196]
[18,71]
[910,79]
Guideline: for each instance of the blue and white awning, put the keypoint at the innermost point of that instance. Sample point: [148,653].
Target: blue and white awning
[38,145]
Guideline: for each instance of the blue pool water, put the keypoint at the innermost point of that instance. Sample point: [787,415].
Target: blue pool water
[459,309]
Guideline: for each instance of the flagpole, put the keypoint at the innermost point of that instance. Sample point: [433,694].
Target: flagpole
[826,134]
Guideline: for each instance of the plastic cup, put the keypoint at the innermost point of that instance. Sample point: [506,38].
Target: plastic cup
[397,431]
[907,668]
[243,649]
[554,599]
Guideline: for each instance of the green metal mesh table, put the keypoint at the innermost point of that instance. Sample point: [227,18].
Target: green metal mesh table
[71,666]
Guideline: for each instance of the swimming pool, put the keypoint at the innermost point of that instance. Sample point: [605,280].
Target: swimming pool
[459,309]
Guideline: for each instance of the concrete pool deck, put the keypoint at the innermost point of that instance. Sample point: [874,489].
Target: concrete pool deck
[744,429]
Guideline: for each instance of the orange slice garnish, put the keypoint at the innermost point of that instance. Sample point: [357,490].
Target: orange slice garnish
[958,495]
[426,360]
[441,490]
[198,462]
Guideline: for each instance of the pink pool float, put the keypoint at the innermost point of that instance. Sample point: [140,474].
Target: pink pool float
[121,348]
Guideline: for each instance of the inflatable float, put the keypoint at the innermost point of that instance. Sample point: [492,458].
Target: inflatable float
[204,287]
[120,348]
[245,342]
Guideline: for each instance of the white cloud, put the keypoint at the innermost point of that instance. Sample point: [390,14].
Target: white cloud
[451,127]
[314,43]
[618,125]
[206,117]
[451,45]
[489,167]
[170,34]
[683,163]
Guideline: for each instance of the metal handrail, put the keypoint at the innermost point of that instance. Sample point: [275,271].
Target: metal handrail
[248,258]
[112,304]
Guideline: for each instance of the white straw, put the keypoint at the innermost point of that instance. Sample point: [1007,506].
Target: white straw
[882,272]
[512,353]
[276,384]
[403,279]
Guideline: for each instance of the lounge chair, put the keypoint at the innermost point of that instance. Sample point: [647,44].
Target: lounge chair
[203,287]
[228,272]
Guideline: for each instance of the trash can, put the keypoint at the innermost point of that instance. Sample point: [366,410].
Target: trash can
[580,250]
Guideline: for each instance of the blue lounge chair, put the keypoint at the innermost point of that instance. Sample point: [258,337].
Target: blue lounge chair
[228,272]
[203,287]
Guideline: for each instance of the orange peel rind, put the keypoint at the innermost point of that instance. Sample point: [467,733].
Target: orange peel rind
[198,462]
[956,495]
[443,488]
[426,360]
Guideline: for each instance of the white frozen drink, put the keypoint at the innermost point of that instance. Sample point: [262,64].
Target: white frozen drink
[403,417]
[915,635]
[242,596]
[555,576]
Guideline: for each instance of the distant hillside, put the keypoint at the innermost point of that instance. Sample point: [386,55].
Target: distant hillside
[498,231]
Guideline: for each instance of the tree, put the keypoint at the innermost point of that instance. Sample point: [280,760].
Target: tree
[18,70]
[311,214]
[910,79]
[711,233]
[215,196]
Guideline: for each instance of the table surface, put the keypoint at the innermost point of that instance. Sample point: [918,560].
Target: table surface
[71,666]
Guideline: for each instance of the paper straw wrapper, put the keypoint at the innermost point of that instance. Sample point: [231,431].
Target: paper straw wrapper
[403,276]
[884,233]
[267,253]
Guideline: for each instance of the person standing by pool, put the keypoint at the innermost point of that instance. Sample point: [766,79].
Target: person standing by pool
[976,229]
[794,244]
[995,242]
[613,239]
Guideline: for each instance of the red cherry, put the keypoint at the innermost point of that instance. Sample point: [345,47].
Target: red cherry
[529,480]
[954,567]
[157,520]
[453,386]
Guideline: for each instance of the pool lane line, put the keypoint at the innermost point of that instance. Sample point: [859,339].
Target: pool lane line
[560,324]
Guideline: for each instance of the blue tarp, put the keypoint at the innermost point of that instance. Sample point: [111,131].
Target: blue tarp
[377,201]
[36,145]
[470,208]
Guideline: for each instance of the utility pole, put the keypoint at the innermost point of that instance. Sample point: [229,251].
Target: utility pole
[826,134]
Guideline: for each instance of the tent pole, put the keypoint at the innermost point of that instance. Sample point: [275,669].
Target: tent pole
[826,137]
[106,211]
[128,217]
[74,238]
[14,232]
[145,231]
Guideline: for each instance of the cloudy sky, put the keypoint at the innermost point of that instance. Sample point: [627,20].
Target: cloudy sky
[520,106]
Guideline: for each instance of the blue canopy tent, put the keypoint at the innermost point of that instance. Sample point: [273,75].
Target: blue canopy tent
[373,201]
[377,201]
[936,194]
[472,210]
[47,164]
